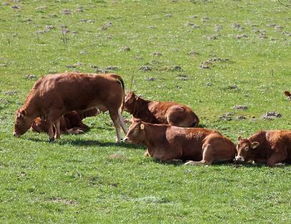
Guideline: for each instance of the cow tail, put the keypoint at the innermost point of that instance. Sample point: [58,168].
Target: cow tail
[123,96]
[120,80]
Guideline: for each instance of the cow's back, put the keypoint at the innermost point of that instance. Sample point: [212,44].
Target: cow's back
[76,91]
[160,109]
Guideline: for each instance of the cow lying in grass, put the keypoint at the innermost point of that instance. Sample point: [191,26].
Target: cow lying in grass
[70,123]
[268,147]
[55,95]
[160,112]
[165,142]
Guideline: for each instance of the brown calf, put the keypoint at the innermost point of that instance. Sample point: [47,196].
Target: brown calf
[55,95]
[70,123]
[166,142]
[269,147]
[160,112]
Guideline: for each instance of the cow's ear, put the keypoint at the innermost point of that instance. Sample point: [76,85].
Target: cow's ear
[20,114]
[239,138]
[255,145]
[23,112]
[142,126]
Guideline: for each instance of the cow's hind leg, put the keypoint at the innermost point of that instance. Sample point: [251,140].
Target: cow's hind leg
[54,124]
[57,126]
[277,157]
[207,156]
[115,118]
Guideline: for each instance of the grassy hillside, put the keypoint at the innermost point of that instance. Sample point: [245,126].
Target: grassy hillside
[211,55]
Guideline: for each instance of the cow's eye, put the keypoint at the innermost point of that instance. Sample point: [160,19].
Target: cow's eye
[247,148]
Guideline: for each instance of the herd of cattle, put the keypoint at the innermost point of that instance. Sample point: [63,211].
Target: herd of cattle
[57,104]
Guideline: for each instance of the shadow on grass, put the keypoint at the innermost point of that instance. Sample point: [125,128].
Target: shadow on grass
[97,143]
[259,165]
[178,162]
[79,142]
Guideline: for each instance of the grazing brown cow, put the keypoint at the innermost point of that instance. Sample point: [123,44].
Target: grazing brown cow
[166,143]
[55,95]
[160,112]
[288,94]
[269,147]
[70,123]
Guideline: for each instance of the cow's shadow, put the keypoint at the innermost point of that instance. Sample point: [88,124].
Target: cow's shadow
[81,142]
[178,162]
[98,144]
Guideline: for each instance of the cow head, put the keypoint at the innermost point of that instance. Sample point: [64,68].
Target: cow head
[136,133]
[130,98]
[22,123]
[245,150]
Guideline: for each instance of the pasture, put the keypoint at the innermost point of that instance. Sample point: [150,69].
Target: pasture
[228,60]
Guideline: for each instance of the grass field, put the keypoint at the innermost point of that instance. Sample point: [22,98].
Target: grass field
[211,55]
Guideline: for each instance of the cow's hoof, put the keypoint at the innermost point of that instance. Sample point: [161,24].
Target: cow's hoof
[146,154]
[51,139]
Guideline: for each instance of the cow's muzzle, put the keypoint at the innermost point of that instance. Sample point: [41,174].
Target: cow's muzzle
[15,134]
[125,139]
[239,159]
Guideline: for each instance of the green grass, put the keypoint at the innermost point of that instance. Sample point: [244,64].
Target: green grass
[88,178]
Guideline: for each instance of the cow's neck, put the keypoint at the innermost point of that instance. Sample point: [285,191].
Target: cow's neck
[140,107]
[30,108]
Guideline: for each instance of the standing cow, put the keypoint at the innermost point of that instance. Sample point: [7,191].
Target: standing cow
[55,95]
[269,147]
[160,112]
[166,143]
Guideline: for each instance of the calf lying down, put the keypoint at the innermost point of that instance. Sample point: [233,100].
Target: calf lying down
[270,147]
[160,112]
[166,143]
[70,123]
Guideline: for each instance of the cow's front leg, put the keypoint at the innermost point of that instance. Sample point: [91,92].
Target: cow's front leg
[51,133]
[115,119]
